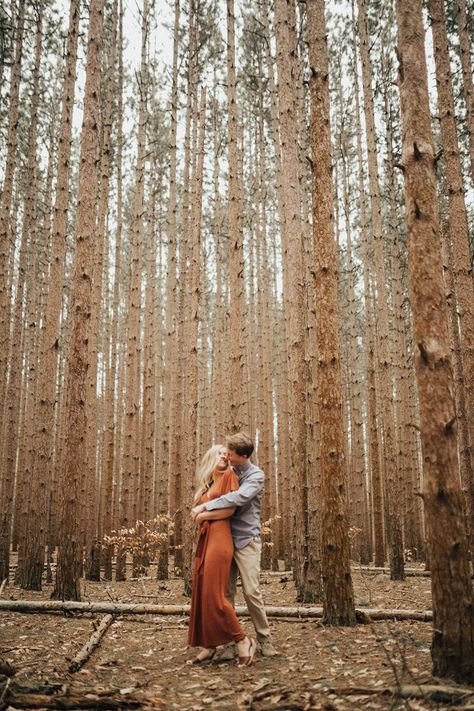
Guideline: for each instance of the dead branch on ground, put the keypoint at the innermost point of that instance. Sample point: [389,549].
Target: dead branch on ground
[143,609]
[92,643]
[56,696]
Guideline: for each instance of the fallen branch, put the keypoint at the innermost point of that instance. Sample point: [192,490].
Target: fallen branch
[409,572]
[120,608]
[92,643]
[431,692]
[355,568]
[55,696]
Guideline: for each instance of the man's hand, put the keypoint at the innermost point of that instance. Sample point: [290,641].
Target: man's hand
[197,510]
[201,517]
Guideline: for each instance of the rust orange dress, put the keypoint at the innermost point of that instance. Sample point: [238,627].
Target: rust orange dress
[213,620]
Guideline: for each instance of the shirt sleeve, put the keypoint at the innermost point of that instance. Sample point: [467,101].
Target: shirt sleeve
[245,493]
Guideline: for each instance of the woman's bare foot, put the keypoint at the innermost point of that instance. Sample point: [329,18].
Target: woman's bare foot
[246,651]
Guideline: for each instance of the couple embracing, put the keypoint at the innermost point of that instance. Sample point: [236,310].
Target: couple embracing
[227,509]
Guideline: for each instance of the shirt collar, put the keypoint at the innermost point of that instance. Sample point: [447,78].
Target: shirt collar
[244,469]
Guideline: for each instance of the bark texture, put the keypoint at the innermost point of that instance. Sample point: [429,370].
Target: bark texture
[335,547]
[70,539]
[452,646]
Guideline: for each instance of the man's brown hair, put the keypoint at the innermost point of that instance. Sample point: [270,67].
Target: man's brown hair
[240,443]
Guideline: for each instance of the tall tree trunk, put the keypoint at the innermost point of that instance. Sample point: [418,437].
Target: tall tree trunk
[335,547]
[6,240]
[395,538]
[171,290]
[468,85]
[131,457]
[110,452]
[177,384]
[32,550]
[294,294]
[239,407]
[93,480]
[459,239]
[70,548]
[192,344]
[452,646]
[375,475]
[359,507]
[407,455]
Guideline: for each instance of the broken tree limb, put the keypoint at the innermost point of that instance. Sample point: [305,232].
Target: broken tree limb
[370,569]
[409,572]
[91,644]
[119,608]
[43,698]
[428,692]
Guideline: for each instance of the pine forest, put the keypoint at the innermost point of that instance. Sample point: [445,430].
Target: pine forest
[222,217]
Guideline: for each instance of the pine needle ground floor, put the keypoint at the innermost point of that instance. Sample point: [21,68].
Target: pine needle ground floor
[144,657]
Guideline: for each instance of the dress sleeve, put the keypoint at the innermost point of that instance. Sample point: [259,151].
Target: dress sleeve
[229,483]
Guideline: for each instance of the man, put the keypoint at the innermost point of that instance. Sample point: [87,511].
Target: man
[245,524]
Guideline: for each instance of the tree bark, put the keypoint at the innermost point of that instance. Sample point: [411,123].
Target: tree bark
[335,547]
[458,236]
[452,646]
[192,344]
[70,540]
[294,297]
[468,85]
[394,524]
[6,239]
[239,407]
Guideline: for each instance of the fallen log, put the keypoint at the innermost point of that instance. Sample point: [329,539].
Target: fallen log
[357,568]
[409,572]
[428,692]
[58,696]
[92,643]
[68,701]
[120,608]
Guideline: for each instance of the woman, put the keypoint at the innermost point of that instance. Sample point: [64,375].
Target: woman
[213,621]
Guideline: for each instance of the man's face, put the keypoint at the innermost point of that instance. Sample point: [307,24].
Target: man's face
[235,459]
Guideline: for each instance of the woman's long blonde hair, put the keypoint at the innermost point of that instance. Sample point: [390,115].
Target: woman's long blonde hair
[205,471]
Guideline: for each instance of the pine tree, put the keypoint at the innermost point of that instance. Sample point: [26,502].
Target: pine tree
[70,539]
[335,548]
[452,646]
[6,254]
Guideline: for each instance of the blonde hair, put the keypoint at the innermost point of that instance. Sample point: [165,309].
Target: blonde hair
[205,471]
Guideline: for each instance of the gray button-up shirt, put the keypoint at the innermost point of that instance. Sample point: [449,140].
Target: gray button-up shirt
[245,522]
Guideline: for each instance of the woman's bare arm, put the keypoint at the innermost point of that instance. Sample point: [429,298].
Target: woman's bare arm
[215,515]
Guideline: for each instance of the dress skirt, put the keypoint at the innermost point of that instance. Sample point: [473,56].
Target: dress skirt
[213,620]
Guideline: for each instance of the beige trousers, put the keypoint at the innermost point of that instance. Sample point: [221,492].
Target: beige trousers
[246,562]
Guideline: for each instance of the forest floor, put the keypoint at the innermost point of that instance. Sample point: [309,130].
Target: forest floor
[144,657]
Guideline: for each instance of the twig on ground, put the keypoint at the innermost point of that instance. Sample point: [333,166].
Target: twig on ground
[93,642]
[4,691]
[406,667]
